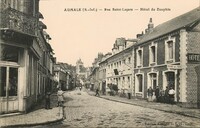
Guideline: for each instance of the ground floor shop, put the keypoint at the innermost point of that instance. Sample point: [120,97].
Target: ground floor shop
[185,82]
[22,82]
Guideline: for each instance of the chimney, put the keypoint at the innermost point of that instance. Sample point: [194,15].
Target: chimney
[140,35]
[150,25]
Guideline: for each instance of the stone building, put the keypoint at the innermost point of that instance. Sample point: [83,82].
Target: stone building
[22,47]
[168,55]
[118,66]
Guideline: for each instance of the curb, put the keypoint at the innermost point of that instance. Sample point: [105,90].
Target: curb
[59,119]
[33,124]
[180,113]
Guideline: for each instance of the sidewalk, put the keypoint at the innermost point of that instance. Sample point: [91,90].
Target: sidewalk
[38,116]
[153,105]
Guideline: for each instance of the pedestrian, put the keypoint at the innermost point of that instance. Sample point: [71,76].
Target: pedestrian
[157,93]
[129,93]
[80,88]
[171,95]
[97,92]
[60,97]
[150,94]
[47,100]
[162,96]
[166,96]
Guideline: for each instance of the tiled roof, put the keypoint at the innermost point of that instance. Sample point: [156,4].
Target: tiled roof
[172,25]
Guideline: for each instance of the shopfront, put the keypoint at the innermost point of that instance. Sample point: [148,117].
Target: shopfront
[9,78]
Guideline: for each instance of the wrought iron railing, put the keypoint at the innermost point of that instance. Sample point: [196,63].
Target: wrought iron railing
[18,21]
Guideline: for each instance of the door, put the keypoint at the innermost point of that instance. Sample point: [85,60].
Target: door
[9,89]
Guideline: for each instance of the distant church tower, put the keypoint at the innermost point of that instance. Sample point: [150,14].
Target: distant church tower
[79,66]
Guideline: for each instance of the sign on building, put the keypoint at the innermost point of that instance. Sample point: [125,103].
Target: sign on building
[193,58]
[174,67]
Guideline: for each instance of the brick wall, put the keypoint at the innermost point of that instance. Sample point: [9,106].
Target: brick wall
[193,85]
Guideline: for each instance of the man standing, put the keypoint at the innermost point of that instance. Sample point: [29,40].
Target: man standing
[47,98]
[150,93]
[97,92]
[166,96]
[157,93]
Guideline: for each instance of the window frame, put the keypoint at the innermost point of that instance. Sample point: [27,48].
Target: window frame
[167,57]
[151,62]
[139,57]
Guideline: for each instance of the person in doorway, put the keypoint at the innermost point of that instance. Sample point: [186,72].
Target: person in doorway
[60,97]
[157,93]
[150,93]
[47,100]
[171,95]
[97,92]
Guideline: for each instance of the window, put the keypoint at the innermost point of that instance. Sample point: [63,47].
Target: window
[9,53]
[13,80]
[8,81]
[170,48]
[140,82]
[153,54]
[3,81]
[128,81]
[129,60]
[124,61]
[169,53]
[139,57]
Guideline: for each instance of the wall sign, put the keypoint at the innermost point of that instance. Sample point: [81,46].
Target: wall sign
[193,58]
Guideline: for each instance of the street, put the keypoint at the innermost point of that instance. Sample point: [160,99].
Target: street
[83,110]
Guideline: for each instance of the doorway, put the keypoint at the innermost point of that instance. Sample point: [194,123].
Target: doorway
[9,88]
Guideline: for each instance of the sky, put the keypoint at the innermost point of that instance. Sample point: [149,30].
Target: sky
[77,33]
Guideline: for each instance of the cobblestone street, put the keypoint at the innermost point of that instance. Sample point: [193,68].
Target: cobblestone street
[83,110]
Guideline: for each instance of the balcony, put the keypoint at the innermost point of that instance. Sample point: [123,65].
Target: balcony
[17,22]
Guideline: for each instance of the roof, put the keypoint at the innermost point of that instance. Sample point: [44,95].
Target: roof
[42,25]
[40,15]
[172,25]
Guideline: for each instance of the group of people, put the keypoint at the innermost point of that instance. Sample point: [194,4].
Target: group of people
[59,96]
[164,96]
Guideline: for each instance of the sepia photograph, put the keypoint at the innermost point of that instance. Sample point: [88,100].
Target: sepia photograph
[99,63]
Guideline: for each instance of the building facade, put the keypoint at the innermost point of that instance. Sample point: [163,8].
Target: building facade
[20,56]
[63,76]
[168,56]
[118,66]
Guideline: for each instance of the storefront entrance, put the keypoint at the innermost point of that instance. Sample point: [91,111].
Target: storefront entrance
[9,89]
[170,79]
[9,86]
